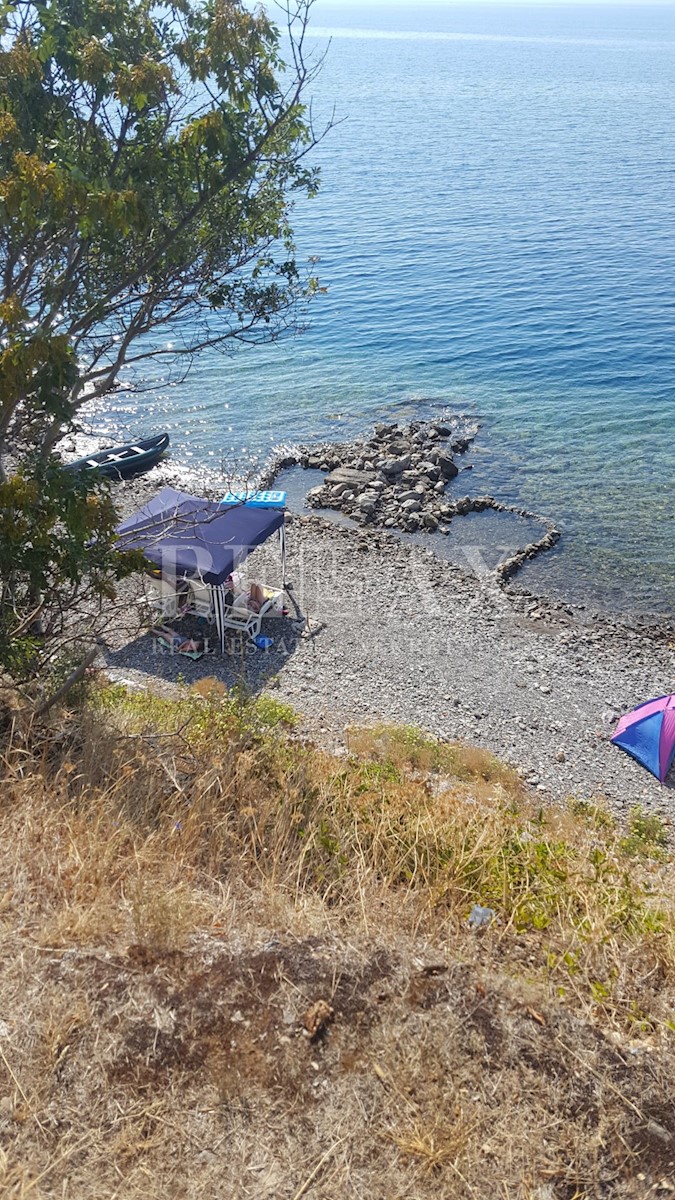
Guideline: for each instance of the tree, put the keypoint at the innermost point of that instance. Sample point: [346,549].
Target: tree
[148,158]
[58,568]
[150,155]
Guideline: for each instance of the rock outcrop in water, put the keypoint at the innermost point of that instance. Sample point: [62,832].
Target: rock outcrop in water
[397,479]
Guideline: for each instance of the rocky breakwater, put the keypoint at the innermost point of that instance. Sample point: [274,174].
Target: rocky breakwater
[397,479]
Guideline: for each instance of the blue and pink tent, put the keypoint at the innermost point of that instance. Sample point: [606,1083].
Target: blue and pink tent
[648,734]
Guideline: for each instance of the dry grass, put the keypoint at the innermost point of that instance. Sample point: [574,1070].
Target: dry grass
[181,882]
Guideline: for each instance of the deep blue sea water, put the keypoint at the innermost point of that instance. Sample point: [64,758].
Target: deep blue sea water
[496,229]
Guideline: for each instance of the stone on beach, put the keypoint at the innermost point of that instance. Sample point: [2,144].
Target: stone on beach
[396,466]
[353,478]
[447,466]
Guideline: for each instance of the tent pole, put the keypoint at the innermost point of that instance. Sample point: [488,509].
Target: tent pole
[217,599]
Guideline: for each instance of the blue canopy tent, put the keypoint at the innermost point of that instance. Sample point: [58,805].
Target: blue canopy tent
[190,538]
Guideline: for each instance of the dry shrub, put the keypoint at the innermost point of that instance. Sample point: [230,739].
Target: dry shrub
[437,1145]
[163,918]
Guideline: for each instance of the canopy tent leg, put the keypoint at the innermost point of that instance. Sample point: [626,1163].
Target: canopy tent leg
[282,541]
[218,597]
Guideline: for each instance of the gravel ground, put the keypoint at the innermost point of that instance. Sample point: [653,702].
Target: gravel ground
[398,635]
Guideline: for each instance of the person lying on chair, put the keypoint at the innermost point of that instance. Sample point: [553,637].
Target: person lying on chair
[177,641]
[253,599]
[256,597]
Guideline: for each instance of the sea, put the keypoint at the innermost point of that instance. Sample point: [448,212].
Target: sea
[495,231]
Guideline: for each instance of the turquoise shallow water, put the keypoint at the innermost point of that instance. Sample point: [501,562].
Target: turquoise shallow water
[496,229]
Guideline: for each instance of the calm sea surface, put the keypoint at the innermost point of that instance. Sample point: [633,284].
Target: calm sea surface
[496,228]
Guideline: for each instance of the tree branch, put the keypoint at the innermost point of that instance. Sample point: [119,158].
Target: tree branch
[70,682]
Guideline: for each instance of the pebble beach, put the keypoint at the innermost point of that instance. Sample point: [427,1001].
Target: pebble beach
[395,633]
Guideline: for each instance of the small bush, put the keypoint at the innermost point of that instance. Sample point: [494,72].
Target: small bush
[408,747]
[647,835]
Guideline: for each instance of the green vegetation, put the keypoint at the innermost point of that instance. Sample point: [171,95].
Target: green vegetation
[207,712]
[57,559]
[149,158]
[647,835]
[410,746]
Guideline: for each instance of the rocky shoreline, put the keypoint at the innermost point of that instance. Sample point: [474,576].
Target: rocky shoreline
[396,478]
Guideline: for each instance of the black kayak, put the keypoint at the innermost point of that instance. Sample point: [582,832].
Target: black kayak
[120,461]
